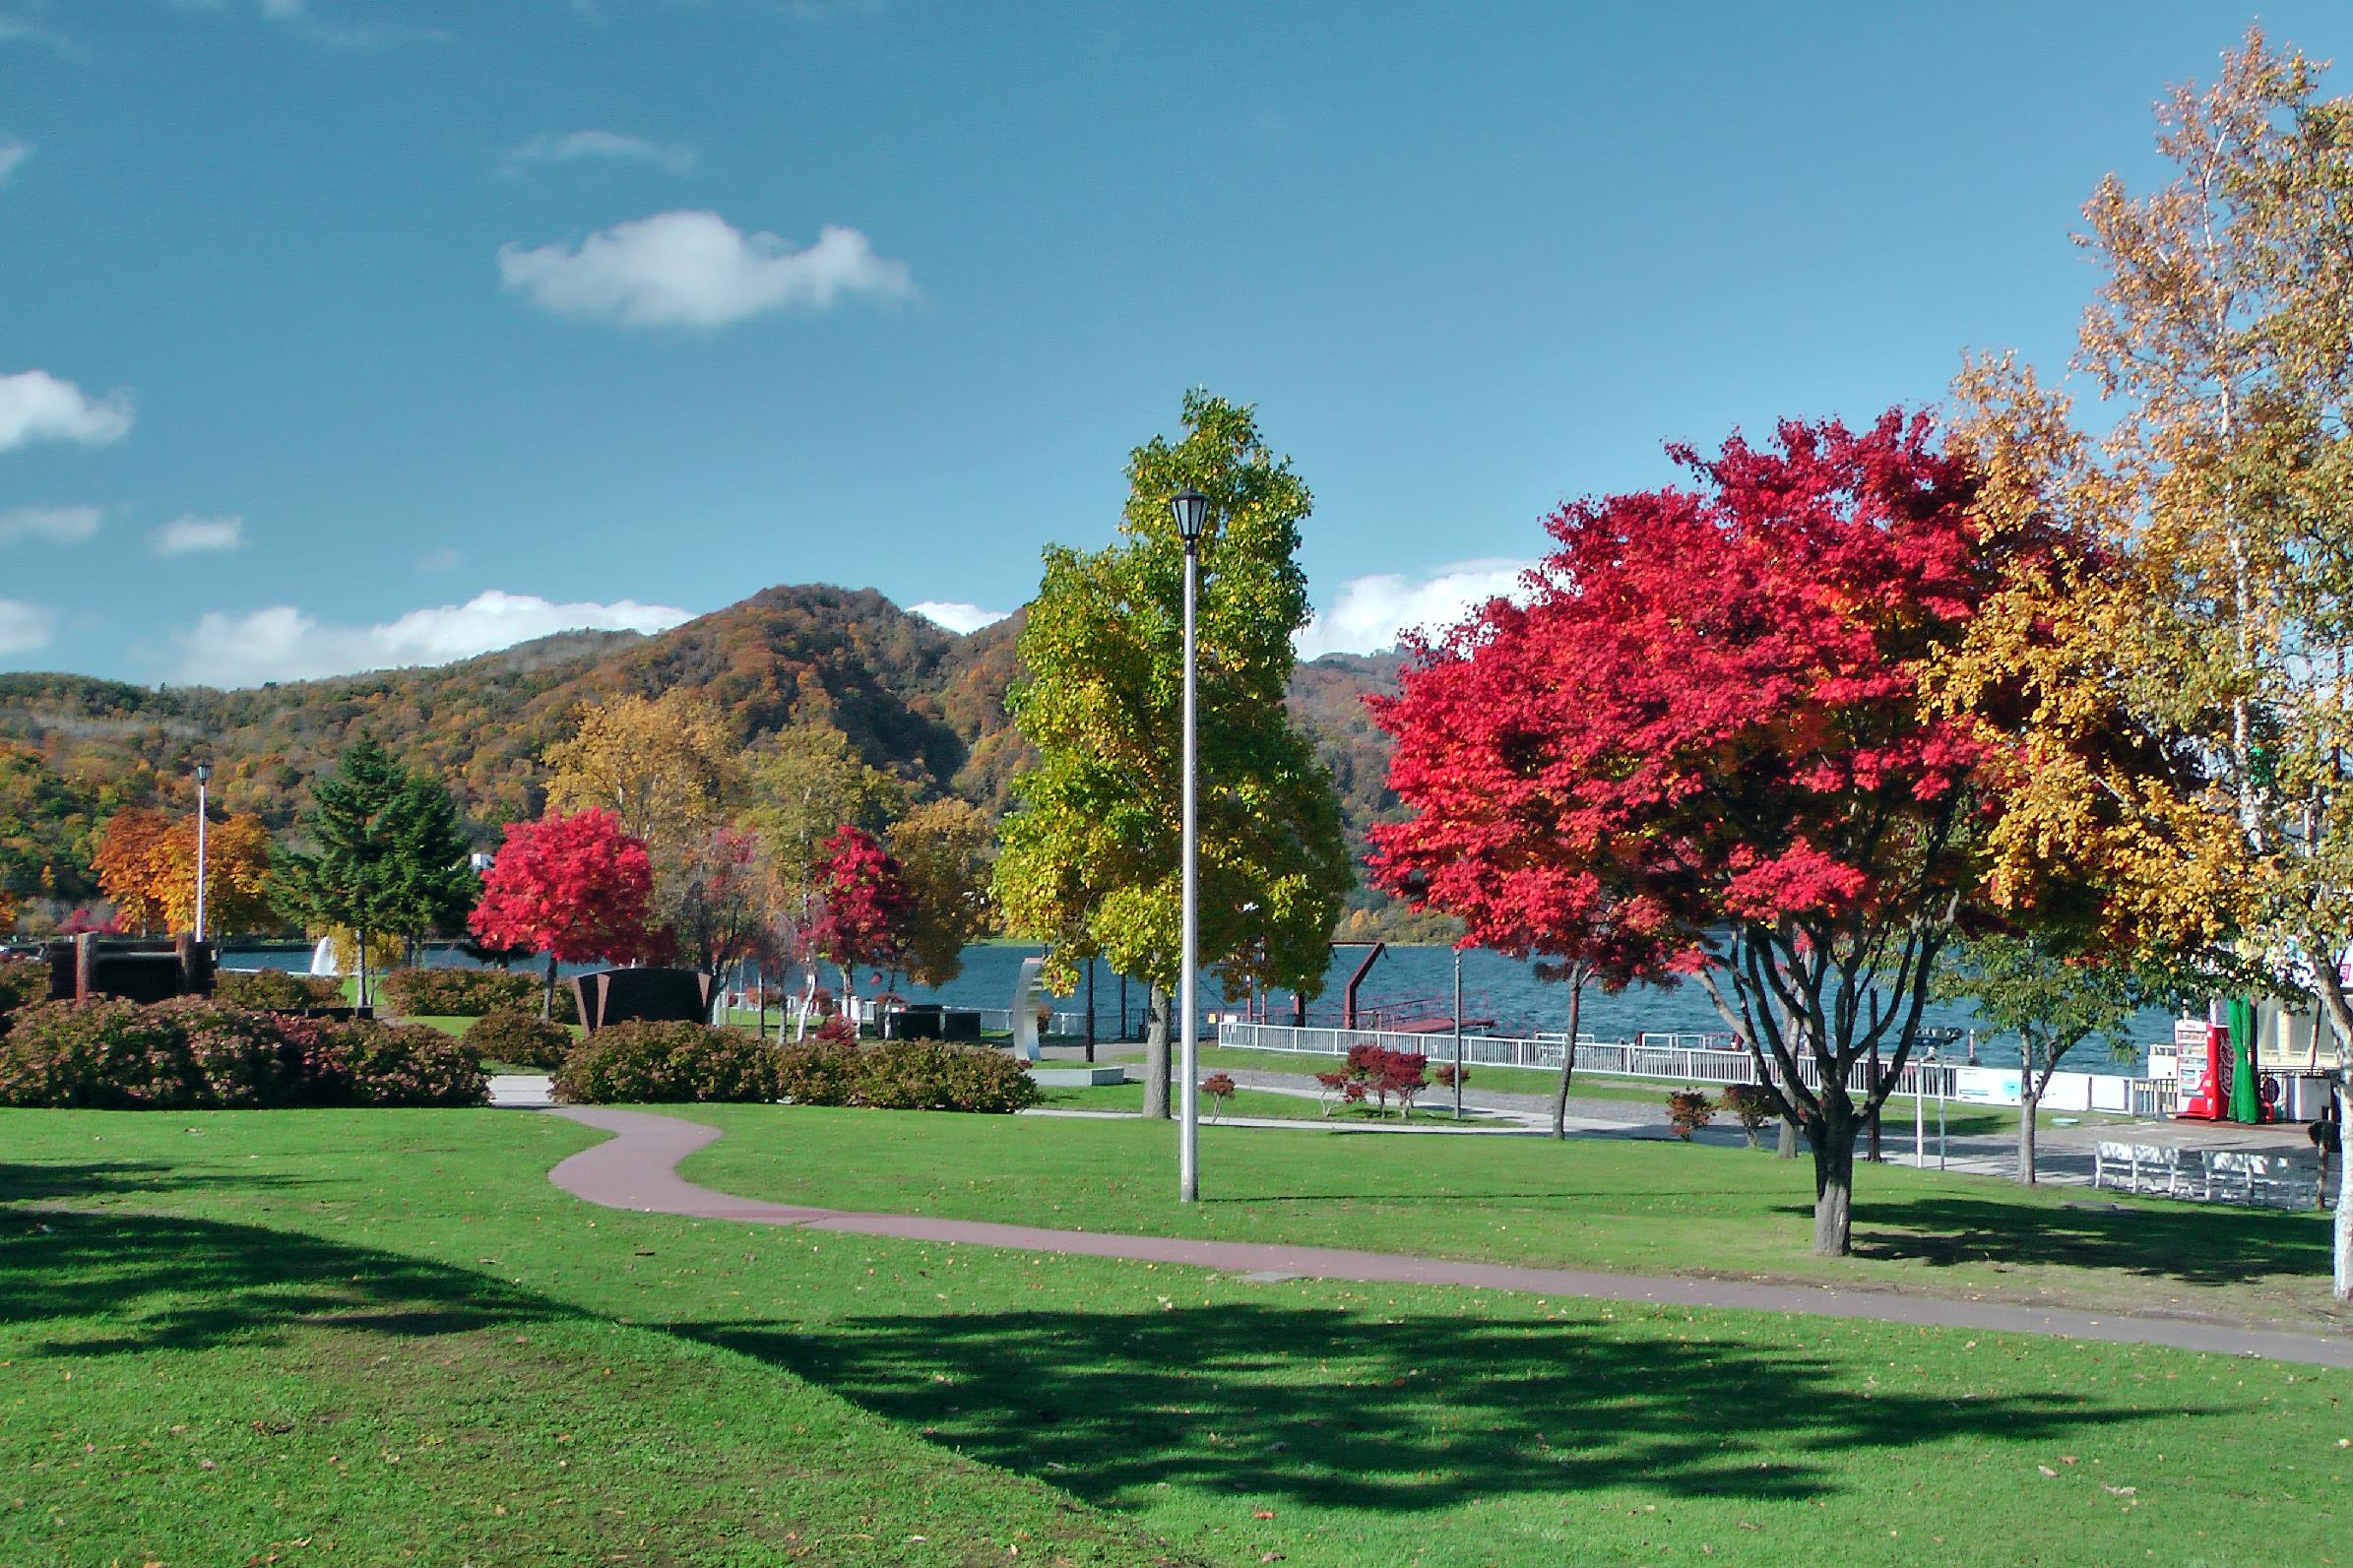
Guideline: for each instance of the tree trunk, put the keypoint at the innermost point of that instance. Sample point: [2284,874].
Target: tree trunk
[362,993]
[548,997]
[2345,1204]
[1156,1054]
[2028,1098]
[1786,1147]
[1569,1056]
[1832,1135]
[2340,1018]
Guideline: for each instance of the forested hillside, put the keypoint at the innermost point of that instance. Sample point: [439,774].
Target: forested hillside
[916,699]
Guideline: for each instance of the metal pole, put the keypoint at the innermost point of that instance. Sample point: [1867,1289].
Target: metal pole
[1459,1033]
[1188,1121]
[1090,1008]
[1939,1121]
[201,774]
[1920,1123]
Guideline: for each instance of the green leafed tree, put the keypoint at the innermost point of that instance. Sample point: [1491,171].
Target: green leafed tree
[2051,1000]
[1089,862]
[384,856]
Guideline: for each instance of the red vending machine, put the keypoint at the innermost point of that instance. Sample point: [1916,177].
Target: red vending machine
[2206,1069]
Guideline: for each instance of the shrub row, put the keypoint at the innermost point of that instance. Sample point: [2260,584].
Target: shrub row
[470,993]
[903,1075]
[277,991]
[647,1062]
[197,1053]
[23,982]
[637,1063]
[524,1038]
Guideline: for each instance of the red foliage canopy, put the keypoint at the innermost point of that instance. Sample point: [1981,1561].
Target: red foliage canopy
[576,888]
[864,906]
[1700,741]
[1708,711]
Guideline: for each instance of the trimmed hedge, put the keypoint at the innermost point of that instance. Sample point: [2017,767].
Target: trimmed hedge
[277,991]
[671,1063]
[470,993]
[903,1075]
[23,982]
[524,1038]
[196,1053]
[641,1062]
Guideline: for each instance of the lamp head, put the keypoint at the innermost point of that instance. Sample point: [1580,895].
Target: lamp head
[204,771]
[1191,508]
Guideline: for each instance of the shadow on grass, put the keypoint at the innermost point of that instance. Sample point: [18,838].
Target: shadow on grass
[2194,1246]
[149,1282]
[1334,1408]
[56,1181]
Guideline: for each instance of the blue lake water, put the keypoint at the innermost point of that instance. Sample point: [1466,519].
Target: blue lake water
[1505,990]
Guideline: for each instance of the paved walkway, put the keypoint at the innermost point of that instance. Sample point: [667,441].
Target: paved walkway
[637,1168]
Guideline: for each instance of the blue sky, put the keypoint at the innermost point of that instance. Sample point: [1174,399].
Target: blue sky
[337,332]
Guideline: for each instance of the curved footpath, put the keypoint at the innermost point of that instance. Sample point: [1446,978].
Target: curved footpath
[637,1168]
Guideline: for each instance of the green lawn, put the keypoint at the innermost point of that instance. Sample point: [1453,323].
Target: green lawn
[1630,1206]
[1435,1106]
[381,1335]
[1959,1120]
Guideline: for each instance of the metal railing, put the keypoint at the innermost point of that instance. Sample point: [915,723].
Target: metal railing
[1617,1060]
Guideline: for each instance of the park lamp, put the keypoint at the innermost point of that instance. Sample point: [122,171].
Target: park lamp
[1191,508]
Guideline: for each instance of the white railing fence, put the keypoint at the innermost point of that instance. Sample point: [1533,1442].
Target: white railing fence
[1681,1058]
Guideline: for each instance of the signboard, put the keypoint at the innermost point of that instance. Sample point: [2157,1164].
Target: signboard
[1986,1085]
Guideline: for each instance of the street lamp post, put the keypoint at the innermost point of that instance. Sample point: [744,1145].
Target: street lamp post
[203,772]
[1191,511]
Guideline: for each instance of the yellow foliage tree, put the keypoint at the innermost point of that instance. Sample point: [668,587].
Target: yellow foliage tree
[665,766]
[943,848]
[146,865]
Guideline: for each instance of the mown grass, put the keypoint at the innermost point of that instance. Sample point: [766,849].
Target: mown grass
[1265,1105]
[381,1335]
[1960,1120]
[1623,1205]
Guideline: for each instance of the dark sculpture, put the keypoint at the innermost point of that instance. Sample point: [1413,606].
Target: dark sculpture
[665,997]
[136,969]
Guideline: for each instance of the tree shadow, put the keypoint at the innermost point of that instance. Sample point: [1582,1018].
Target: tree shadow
[168,1281]
[55,1182]
[2193,1246]
[1330,1408]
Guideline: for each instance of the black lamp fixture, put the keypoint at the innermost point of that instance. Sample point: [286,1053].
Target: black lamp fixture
[1191,508]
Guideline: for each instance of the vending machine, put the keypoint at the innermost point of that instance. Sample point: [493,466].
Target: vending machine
[2205,1074]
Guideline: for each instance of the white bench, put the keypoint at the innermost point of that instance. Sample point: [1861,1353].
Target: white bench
[2230,1175]
[2140,1168]
[2259,1178]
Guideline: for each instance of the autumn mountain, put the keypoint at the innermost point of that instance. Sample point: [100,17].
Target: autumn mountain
[918,700]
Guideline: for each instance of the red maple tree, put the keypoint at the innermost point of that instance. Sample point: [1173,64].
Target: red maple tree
[864,909]
[1699,746]
[576,888]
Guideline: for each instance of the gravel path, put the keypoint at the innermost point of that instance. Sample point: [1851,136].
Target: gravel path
[637,1168]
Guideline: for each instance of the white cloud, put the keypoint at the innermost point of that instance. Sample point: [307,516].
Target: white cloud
[1372,611]
[194,535]
[688,269]
[24,627]
[579,145]
[956,615]
[12,152]
[52,525]
[283,642]
[36,406]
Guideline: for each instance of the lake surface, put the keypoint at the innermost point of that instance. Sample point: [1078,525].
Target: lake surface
[1494,987]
